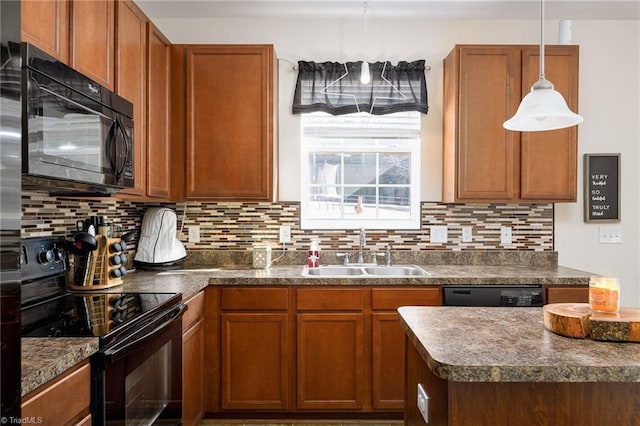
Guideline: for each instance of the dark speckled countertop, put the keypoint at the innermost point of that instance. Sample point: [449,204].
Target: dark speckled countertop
[469,344]
[43,358]
[38,367]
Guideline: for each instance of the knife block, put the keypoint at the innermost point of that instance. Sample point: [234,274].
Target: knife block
[100,274]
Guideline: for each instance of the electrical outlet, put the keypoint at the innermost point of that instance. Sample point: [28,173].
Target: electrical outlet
[467,234]
[505,235]
[194,233]
[438,234]
[285,234]
[611,234]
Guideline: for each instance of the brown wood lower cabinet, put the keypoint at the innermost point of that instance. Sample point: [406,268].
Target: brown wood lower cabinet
[388,341]
[193,360]
[517,403]
[255,349]
[63,401]
[308,350]
[568,294]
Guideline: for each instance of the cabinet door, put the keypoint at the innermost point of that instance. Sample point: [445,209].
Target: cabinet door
[388,353]
[64,400]
[489,90]
[255,372]
[229,153]
[388,361]
[573,294]
[158,113]
[330,364]
[92,40]
[131,53]
[45,24]
[549,159]
[193,374]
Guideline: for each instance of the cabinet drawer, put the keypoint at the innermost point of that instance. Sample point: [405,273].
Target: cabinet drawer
[573,294]
[340,299]
[264,299]
[194,311]
[63,401]
[387,298]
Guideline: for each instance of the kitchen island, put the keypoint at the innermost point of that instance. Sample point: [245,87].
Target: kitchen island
[500,366]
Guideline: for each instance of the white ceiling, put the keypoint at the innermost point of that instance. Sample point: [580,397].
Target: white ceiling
[429,9]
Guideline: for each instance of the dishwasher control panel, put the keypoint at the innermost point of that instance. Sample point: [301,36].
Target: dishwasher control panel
[494,295]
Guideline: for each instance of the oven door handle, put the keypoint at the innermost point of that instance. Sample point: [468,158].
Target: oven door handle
[124,348]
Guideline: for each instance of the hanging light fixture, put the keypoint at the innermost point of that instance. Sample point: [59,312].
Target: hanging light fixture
[543,108]
[365,74]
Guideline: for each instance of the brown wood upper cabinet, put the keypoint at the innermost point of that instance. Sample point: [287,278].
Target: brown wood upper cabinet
[93,40]
[483,162]
[158,113]
[78,33]
[45,24]
[131,80]
[229,122]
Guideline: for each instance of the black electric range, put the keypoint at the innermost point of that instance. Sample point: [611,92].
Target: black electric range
[136,374]
[49,310]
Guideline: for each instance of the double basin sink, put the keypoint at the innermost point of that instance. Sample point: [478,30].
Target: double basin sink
[364,271]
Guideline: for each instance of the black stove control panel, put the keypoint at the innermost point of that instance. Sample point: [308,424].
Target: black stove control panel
[43,257]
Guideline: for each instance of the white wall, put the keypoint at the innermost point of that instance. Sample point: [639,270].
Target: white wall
[609,101]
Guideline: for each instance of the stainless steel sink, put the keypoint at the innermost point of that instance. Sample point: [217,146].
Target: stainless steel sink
[401,271]
[355,271]
[334,271]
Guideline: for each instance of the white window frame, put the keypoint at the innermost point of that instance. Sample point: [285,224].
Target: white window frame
[372,140]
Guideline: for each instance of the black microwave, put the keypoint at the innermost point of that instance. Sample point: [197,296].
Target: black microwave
[77,136]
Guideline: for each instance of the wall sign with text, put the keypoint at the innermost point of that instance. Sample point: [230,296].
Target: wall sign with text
[602,187]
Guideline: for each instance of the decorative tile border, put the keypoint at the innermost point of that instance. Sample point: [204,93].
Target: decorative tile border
[237,226]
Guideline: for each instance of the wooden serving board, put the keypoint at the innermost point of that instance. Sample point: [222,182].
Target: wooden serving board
[577,320]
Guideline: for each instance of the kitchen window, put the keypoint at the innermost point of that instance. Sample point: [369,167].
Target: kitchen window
[360,170]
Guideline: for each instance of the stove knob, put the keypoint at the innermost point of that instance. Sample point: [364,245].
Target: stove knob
[115,247]
[123,258]
[46,256]
[123,271]
[115,260]
[60,254]
[123,245]
[115,273]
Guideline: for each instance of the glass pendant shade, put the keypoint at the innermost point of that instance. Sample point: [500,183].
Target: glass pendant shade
[542,109]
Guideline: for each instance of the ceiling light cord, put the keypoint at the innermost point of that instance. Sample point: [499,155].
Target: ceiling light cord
[542,39]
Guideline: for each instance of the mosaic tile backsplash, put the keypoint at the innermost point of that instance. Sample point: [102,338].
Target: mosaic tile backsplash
[237,226]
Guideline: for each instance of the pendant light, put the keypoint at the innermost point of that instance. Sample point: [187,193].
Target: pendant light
[543,108]
[365,74]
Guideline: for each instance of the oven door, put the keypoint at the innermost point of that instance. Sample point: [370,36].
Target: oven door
[138,380]
[75,138]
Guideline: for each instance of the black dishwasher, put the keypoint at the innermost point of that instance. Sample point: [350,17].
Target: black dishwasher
[493,295]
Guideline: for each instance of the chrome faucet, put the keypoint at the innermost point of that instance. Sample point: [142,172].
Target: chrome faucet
[361,243]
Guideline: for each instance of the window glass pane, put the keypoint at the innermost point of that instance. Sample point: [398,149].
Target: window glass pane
[395,169]
[360,171]
[360,168]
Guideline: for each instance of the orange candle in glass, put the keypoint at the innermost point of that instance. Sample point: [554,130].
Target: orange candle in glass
[604,294]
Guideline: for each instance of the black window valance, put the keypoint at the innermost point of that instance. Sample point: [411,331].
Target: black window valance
[336,88]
